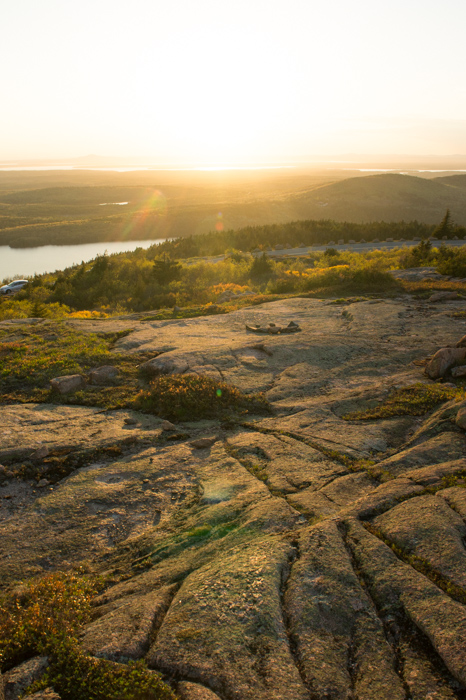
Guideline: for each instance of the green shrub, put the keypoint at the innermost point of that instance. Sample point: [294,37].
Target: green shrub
[452,261]
[53,606]
[189,397]
[76,676]
[45,619]
[261,266]
[419,256]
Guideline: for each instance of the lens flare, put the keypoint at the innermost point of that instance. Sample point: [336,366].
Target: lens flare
[219,224]
[152,211]
[219,393]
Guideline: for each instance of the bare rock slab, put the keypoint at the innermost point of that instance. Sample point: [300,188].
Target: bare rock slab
[234,605]
[396,586]
[429,529]
[124,632]
[331,619]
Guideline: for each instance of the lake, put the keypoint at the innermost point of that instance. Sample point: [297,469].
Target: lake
[24,262]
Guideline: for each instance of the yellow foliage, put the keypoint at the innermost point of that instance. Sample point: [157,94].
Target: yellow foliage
[88,314]
[227,287]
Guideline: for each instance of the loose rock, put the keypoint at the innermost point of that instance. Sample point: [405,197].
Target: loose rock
[103,375]
[461,418]
[458,371]
[68,383]
[203,442]
[444,296]
[166,425]
[164,365]
[40,453]
[19,678]
[443,360]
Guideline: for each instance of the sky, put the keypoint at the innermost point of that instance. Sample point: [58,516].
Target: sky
[231,81]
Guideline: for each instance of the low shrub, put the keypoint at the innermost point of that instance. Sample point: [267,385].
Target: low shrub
[45,618]
[53,606]
[190,397]
[452,262]
[353,280]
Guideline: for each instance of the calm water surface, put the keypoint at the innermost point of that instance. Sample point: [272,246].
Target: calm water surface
[24,262]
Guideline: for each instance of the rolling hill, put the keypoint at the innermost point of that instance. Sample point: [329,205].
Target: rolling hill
[386,197]
[160,205]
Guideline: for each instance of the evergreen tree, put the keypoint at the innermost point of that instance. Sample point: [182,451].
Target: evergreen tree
[445,227]
[165,271]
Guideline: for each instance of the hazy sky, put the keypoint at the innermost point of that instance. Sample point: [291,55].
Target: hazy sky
[231,80]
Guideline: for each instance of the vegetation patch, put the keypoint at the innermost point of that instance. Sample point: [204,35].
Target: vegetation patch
[414,400]
[34,354]
[45,618]
[189,397]
[173,280]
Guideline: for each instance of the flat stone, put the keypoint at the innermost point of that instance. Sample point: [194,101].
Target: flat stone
[249,569]
[329,614]
[124,632]
[445,447]
[235,601]
[394,584]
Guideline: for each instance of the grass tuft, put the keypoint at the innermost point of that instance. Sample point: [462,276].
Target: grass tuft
[189,397]
[414,400]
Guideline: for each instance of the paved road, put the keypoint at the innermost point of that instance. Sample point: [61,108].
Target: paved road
[357,247]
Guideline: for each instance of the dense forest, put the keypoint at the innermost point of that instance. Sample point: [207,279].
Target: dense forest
[179,273]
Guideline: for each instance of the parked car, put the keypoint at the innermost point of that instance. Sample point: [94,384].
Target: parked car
[13,287]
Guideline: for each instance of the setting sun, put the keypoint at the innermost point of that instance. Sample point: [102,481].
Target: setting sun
[215,82]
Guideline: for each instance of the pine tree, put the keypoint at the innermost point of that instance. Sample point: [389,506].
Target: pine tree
[445,227]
